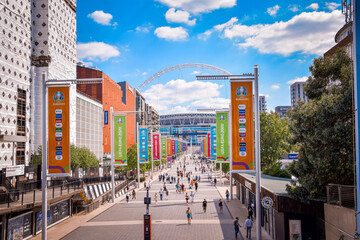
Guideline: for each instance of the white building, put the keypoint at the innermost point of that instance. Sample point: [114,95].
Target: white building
[89,124]
[53,55]
[37,37]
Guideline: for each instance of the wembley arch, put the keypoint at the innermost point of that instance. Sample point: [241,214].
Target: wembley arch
[182,66]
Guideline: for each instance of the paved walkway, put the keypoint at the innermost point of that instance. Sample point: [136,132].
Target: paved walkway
[123,220]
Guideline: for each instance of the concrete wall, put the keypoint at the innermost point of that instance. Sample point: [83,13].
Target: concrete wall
[337,220]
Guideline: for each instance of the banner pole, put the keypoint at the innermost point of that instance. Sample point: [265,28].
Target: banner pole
[257,154]
[230,152]
[44,164]
[152,156]
[112,154]
[138,154]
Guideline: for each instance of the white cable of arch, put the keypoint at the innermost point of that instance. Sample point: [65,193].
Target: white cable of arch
[182,66]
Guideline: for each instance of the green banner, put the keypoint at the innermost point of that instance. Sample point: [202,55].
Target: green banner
[222,137]
[163,148]
[120,140]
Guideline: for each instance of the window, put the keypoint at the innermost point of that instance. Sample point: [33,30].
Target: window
[21,113]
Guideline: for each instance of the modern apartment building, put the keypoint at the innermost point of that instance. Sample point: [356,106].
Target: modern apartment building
[297,93]
[262,103]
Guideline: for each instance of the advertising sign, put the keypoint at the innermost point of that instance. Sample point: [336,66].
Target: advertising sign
[176,146]
[172,147]
[143,145]
[17,170]
[213,143]
[59,130]
[293,156]
[106,117]
[120,140]
[163,148]
[168,147]
[156,147]
[222,137]
[242,125]
[208,146]
[20,227]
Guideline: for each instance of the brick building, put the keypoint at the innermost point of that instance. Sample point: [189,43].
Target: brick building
[109,93]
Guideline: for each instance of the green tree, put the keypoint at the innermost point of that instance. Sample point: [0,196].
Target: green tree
[274,138]
[82,157]
[323,129]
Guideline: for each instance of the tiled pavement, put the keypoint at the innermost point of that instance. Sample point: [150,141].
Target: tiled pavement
[124,220]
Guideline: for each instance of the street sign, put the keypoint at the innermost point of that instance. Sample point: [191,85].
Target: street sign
[267,202]
[147,200]
[15,170]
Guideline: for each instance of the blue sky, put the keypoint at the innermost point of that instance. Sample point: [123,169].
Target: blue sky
[132,40]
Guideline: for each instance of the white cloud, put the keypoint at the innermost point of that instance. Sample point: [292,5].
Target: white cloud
[332,6]
[102,18]
[219,28]
[293,7]
[185,96]
[145,28]
[300,79]
[272,11]
[275,86]
[198,6]
[308,33]
[171,34]
[96,51]
[196,72]
[313,6]
[179,16]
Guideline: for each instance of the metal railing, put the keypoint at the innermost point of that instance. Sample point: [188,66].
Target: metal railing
[341,195]
[15,198]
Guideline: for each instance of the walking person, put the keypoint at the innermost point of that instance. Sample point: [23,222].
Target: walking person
[248,224]
[236,227]
[221,204]
[127,197]
[250,212]
[189,215]
[133,194]
[187,198]
[227,195]
[215,181]
[192,195]
[204,205]
[166,194]
[155,197]
[161,193]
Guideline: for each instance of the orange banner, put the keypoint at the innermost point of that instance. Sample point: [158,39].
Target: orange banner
[168,147]
[59,130]
[242,125]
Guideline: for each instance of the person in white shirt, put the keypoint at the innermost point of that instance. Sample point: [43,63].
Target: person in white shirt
[248,224]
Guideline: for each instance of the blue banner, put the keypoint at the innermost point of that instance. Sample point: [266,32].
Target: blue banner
[213,143]
[176,146]
[106,117]
[143,145]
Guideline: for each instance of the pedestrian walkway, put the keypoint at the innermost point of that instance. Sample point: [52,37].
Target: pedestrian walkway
[123,220]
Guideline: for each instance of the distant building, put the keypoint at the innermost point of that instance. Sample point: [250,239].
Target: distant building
[154,119]
[297,93]
[281,110]
[262,103]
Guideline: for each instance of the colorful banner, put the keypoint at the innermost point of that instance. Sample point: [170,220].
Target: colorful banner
[120,153]
[213,143]
[208,142]
[242,125]
[156,147]
[59,130]
[168,147]
[176,146]
[163,148]
[143,145]
[222,137]
[205,147]
[172,147]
